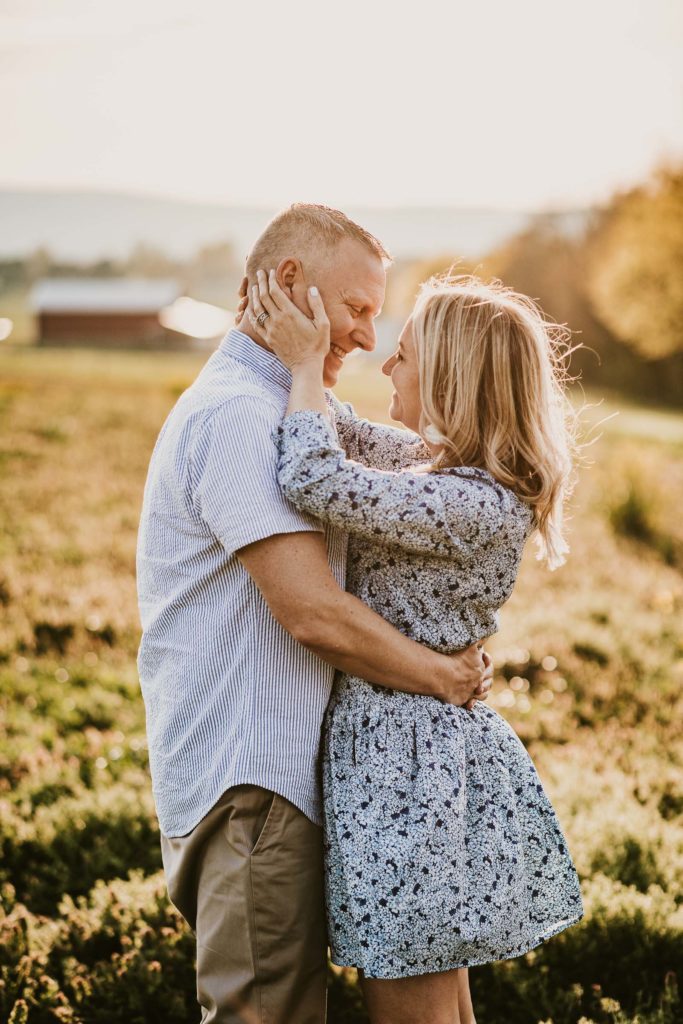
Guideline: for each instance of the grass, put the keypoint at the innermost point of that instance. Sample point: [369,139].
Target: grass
[589,670]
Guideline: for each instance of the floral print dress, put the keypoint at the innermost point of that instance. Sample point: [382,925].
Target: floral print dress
[442,849]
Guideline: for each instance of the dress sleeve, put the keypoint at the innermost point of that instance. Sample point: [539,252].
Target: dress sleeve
[375,444]
[438,514]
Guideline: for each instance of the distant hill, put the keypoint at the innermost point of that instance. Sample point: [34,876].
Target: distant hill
[85,226]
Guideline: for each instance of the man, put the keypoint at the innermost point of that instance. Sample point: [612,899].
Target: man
[244,619]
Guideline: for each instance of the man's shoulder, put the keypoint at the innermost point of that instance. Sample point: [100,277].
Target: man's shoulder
[225,398]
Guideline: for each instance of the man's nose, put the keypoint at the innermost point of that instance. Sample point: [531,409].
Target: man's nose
[365,336]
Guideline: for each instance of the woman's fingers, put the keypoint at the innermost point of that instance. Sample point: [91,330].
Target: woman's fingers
[256,300]
[255,312]
[316,306]
[281,300]
[269,303]
[241,309]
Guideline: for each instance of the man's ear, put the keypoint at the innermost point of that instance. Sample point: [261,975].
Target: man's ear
[287,273]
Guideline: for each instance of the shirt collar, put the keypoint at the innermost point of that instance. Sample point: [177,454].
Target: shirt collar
[239,346]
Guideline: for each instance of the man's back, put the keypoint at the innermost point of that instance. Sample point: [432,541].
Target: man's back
[230,697]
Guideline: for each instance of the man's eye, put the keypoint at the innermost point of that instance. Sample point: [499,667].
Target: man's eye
[354,309]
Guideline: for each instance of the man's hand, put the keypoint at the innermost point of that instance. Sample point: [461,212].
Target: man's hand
[483,690]
[469,677]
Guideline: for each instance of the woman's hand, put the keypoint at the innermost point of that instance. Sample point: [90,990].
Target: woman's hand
[243,303]
[297,340]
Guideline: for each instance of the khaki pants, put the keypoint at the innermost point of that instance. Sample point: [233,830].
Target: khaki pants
[248,880]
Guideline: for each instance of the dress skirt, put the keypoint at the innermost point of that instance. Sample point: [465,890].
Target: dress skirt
[442,848]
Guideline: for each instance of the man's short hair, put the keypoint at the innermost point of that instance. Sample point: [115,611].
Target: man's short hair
[308,225]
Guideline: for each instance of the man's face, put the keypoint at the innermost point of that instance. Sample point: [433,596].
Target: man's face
[351,284]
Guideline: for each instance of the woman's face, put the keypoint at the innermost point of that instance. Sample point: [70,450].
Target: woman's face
[403,370]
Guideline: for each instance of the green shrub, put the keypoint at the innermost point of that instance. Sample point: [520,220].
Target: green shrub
[70,844]
[635,511]
[121,954]
[630,860]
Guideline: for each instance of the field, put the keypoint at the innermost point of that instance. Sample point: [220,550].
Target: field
[589,670]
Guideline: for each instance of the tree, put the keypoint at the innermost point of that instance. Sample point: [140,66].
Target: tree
[148,261]
[635,266]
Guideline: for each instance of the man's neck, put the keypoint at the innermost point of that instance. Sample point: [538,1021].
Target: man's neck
[245,328]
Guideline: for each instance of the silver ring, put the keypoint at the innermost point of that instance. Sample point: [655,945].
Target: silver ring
[261,318]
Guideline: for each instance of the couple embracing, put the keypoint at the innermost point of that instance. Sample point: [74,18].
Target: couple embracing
[382,808]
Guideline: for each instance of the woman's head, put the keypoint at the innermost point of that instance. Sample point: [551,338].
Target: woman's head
[480,374]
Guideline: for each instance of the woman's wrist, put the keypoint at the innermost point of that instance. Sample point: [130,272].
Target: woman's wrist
[308,390]
[308,367]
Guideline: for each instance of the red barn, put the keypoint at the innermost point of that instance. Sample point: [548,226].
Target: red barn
[103,313]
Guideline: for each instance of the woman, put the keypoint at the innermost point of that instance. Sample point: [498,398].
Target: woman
[442,848]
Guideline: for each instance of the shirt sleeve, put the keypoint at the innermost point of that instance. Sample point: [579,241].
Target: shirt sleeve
[375,444]
[235,490]
[439,514]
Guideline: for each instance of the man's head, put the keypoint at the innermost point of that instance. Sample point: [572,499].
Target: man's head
[308,244]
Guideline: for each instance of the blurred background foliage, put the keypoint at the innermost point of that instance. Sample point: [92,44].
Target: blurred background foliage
[618,283]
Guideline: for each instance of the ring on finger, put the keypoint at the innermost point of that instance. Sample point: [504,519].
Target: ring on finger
[261,318]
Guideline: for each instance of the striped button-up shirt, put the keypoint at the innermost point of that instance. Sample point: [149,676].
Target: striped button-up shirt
[230,697]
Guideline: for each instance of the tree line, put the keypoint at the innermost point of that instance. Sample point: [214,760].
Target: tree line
[618,284]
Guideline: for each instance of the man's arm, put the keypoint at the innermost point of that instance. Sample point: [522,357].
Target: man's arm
[292,572]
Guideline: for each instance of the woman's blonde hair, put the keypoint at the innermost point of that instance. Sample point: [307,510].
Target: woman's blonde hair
[492,385]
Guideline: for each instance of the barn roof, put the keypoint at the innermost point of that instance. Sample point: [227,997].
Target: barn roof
[93,295]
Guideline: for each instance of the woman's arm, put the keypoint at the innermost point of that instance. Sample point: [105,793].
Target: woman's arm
[446,515]
[375,444]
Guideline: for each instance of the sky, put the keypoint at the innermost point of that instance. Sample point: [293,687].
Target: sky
[531,105]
